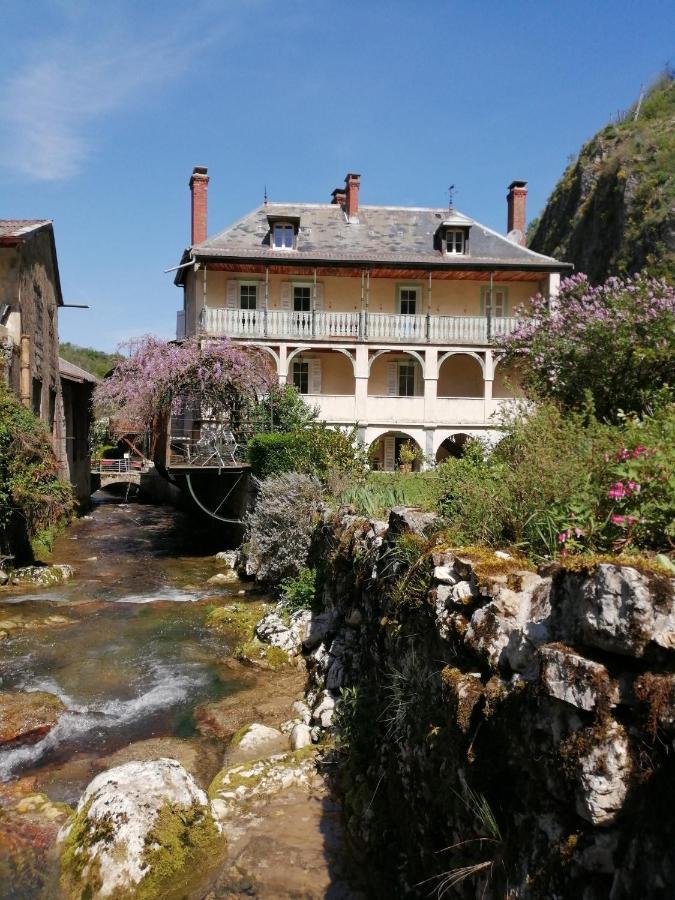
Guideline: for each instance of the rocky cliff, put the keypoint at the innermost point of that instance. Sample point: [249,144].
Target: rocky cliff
[613,210]
[499,731]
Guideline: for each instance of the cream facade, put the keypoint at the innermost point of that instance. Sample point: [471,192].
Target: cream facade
[371,315]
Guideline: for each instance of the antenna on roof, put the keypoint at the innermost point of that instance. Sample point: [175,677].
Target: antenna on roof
[265,196]
[451,196]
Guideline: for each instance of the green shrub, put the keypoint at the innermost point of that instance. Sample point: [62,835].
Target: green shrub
[316,450]
[299,592]
[30,487]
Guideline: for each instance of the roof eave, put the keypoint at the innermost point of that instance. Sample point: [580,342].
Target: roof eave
[323,261]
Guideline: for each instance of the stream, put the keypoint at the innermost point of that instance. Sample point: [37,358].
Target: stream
[126,647]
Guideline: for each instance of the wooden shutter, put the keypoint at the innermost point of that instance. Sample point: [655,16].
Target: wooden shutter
[318,296]
[286,294]
[232,294]
[392,379]
[389,454]
[314,376]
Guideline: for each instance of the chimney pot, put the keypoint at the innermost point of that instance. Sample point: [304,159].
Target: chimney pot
[352,183]
[516,200]
[199,185]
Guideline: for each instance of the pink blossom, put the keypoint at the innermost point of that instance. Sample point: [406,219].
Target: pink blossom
[617,491]
[617,520]
[578,532]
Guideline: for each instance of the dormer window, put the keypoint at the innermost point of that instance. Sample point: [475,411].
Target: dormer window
[455,240]
[283,236]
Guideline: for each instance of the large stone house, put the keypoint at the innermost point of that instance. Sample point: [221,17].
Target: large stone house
[30,297]
[383,316]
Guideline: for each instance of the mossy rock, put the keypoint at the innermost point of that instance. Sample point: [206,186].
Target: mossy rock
[263,656]
[143,831]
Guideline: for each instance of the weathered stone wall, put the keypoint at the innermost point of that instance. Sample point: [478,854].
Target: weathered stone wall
[28,283]
[500,731]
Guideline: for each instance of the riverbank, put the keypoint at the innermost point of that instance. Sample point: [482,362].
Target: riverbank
[140,666]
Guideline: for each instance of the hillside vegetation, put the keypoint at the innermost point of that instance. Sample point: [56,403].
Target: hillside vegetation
[95,361]
[613,210]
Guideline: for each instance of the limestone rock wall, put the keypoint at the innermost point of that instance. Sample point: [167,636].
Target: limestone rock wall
[499,731]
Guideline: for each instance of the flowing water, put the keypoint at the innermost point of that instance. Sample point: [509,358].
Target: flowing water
[131,661]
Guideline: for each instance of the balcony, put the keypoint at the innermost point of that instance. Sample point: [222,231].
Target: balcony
[275,324]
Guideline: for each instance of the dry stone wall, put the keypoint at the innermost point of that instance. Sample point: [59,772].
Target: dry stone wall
[500,731]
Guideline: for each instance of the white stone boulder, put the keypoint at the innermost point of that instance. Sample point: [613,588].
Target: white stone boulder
[618,611]
[138,829]
[43,576]
[220,579]
[301,737]
[572,678]
[603,775]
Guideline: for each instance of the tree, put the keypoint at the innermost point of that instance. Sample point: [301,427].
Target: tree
[613,342]
[159,378]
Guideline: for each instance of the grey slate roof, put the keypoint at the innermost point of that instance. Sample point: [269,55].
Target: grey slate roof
[383,234]
[17,229]
[72,372]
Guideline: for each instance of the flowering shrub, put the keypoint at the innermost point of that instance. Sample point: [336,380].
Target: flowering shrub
[158,376]
[634,504]
[558,484]
[614,341]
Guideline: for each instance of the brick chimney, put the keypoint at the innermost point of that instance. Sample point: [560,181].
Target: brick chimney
[516,200]
[199,186]
[353,183]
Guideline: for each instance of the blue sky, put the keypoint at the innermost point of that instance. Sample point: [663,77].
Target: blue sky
[105,108]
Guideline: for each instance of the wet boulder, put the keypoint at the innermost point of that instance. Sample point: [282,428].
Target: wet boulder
[143,829]
[25,717]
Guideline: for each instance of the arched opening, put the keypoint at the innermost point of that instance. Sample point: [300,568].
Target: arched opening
[507,382]
[391,452]
[460,375]
[322,372]
[396,375]
[452,446]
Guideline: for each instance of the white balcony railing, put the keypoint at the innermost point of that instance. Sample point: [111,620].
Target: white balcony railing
[351,326]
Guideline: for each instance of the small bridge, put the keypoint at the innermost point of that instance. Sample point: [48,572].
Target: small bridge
[119,471]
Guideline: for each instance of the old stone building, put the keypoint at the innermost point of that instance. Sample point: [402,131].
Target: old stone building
[30,297]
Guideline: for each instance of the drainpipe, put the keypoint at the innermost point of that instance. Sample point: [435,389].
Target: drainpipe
[362,313]
[24,383]
[367,298]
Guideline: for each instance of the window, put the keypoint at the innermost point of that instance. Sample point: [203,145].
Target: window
[407,301]
[302,297]
[454,240]
[494,303]
[406,379]
[37,396]
[248,296]
[301,376]
[283,236]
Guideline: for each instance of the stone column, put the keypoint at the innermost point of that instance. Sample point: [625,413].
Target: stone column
[361,384]
[283,363]
[488,378]
[430,384]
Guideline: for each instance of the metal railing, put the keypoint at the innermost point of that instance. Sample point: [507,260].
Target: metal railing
[353,326]
[208,443]
[118,466]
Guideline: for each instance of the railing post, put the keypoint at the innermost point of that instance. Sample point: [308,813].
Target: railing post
[489,324]
[265,322]
[427,328]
